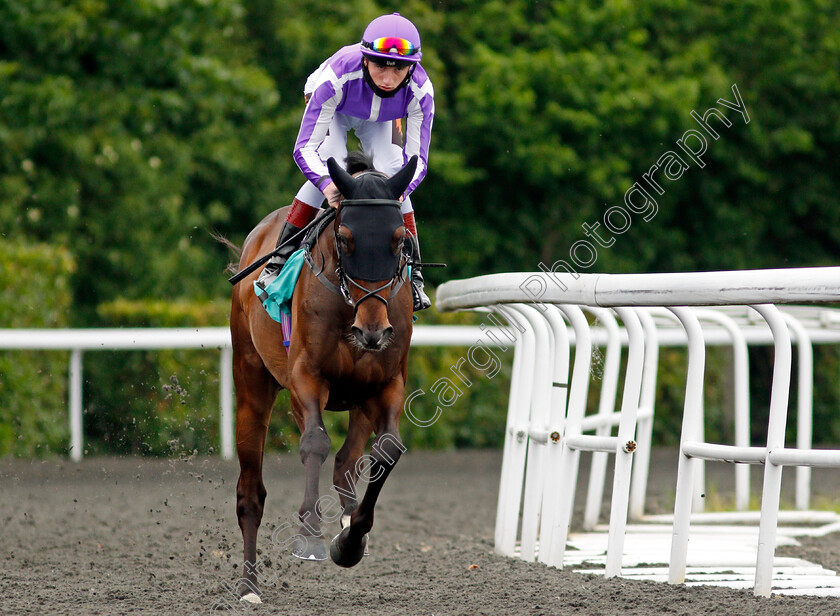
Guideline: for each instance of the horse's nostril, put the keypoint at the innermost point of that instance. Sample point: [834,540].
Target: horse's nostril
[372,340]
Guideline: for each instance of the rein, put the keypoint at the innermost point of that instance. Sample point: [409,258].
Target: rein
[342,289]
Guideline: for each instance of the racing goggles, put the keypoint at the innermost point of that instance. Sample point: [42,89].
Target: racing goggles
[388,44]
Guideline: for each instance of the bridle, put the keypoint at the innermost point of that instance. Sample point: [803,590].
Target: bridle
[345,281]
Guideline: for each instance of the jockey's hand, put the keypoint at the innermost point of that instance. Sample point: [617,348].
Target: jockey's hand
[332,194]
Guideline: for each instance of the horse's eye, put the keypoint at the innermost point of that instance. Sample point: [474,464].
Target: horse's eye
[345,243]
[398,241]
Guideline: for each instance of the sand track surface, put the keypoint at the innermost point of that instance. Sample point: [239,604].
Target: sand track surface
[146,536]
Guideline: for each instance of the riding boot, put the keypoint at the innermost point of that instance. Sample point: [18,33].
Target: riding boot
[275,264]
[421,300]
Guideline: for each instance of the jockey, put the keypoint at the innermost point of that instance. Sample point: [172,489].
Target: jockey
[365,86]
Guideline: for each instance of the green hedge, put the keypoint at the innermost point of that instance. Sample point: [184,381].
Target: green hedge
[34,293]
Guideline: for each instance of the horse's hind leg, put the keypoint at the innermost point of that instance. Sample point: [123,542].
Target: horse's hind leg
[348,546]
[308,400]
[256,390]
[347,465]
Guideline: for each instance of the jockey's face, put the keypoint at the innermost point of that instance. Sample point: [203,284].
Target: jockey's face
[386,77]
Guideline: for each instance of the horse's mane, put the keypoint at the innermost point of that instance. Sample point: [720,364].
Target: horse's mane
[357,161]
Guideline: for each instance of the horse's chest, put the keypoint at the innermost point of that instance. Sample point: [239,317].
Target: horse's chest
[362,375]
[349,394]
[353,380]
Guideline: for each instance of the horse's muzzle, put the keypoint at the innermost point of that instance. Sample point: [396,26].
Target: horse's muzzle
[372,340]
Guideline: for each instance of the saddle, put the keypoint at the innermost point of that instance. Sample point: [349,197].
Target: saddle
[277,296]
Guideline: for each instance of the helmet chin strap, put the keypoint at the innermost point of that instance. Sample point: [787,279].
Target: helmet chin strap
[379,91]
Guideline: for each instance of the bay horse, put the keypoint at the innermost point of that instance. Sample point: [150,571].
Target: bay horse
[352,324]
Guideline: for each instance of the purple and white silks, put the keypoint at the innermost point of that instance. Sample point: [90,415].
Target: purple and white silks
[338,87]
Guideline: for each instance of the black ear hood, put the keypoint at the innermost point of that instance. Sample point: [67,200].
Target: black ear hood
[345,182]
[398,182]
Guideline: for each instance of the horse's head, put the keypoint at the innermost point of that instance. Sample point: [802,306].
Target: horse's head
[369,241]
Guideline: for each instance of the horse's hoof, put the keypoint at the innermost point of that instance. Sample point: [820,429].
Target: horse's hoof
[344,555]
[251,598]
[309,548]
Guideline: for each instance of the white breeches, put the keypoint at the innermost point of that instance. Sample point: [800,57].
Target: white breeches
[376,141]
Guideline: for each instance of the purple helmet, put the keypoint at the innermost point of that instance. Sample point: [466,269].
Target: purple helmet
[392,38]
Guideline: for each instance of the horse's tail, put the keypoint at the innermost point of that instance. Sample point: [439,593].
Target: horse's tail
[233,266]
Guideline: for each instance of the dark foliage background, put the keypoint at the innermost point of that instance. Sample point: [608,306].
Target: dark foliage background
[131,130]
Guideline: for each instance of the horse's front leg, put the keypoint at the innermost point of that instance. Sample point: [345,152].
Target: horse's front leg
[309,396]
[347,463]
[348,547]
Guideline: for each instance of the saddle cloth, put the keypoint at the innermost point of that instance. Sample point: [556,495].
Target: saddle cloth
[277,296]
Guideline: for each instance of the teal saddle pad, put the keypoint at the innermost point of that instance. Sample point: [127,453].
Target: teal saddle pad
[277,296]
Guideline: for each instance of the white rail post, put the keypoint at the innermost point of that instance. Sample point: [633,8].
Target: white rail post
[606,407]
[698,410]
[626,440]
[804,407]
[691,432]
[226,402]
[536,426]
[76,426]
[644,426]
[506,475]
[556,427]
[513,460]
[772,486]
[568,472]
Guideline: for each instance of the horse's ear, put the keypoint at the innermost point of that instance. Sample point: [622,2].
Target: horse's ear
[343,180]
[398,182]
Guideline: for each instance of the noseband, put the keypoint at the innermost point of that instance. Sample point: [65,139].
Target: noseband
[346,281]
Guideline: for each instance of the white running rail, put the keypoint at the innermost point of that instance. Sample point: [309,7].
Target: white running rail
[79,341]
[545,427]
